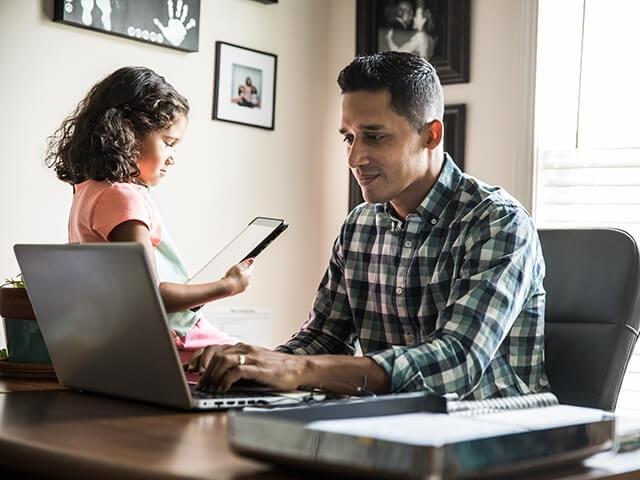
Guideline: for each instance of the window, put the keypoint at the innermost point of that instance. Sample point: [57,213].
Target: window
[587,127]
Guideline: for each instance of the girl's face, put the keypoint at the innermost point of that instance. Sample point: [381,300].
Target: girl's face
[158,151]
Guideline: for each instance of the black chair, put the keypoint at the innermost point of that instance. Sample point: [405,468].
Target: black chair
[592,313]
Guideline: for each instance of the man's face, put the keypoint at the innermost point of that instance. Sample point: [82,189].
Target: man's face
[404,13]
[386,154]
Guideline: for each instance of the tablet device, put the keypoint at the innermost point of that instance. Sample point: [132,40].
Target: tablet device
[252,240]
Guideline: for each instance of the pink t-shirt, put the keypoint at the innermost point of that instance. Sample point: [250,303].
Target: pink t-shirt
[99,207]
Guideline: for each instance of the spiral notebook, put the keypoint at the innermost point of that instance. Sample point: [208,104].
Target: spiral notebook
[492,405]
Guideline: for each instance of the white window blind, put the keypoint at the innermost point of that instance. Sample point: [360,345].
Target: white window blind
[588,126]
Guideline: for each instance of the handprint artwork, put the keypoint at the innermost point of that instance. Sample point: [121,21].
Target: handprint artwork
[171,23]
[175,30]
[105,12]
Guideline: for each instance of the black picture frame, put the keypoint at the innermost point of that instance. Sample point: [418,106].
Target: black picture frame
[244,90]
[454,120]
[164,23]
[445,33]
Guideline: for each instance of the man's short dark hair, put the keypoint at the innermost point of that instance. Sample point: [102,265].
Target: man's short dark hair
[415,88]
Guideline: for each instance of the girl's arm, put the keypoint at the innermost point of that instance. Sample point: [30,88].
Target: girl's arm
[178,297]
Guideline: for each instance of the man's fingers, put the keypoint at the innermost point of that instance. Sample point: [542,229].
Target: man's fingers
[225,363]
[208,354]
[205,359]
[195,362]
[207,381]
[231,376]
[222,361]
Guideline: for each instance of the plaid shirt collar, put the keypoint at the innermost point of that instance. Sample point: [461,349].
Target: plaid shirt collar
[436,200]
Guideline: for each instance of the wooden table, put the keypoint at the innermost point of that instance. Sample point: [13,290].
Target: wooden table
[47,430]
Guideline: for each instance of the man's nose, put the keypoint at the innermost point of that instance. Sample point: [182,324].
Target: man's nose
[357,155]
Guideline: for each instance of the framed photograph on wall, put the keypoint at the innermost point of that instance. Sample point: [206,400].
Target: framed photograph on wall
[454,120]
[245,86]
[438,30]
[169,23]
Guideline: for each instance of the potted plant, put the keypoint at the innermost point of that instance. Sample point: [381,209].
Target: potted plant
[24,339]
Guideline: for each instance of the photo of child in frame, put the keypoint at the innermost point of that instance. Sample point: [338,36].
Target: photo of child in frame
[245,86]
[248,81]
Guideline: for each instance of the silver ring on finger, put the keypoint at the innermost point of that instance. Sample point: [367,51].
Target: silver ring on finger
[242,359]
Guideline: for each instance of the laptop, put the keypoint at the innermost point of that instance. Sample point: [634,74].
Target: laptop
[106,330]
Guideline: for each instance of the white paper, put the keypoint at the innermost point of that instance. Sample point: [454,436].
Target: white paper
[249,325]
[545,417]
[424,429]
[435,429]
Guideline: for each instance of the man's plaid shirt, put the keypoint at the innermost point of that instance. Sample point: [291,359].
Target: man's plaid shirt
[449,301]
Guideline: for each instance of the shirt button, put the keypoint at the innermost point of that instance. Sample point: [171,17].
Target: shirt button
[399,290]
[434,221]
[408,244]
[408,337]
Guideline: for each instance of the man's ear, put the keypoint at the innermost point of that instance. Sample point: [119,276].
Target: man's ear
[432,134]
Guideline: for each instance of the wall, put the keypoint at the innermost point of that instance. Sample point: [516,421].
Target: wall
[225,174]
[499,99]
[499,96]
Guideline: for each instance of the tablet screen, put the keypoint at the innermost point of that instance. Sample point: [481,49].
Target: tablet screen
[249,242]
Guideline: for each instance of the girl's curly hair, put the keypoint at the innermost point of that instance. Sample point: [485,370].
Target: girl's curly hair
[101,139]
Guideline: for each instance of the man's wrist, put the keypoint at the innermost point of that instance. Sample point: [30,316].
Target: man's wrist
[305,368]
[340,373]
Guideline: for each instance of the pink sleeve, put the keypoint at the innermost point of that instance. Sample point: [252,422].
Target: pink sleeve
[116,205]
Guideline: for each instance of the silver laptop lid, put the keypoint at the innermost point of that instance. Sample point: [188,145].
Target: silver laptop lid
[103,320]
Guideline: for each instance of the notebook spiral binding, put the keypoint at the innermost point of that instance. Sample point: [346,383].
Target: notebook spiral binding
[492,405]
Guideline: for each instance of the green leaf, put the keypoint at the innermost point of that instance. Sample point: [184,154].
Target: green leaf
[16,282]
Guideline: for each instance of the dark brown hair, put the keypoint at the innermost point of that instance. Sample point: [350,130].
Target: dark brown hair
[413,83]
[101,138]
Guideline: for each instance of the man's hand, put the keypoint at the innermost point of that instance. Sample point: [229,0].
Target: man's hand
[228,364]
[201,358]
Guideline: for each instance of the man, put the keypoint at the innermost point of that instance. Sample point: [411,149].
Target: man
[402,15]
[420,40]
[438,276]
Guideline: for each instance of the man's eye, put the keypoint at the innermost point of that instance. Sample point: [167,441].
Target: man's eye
[348,140]
[374,137]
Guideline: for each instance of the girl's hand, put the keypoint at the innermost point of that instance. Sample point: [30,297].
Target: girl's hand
[238,276]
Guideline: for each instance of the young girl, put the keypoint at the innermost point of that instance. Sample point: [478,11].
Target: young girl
[118,142]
